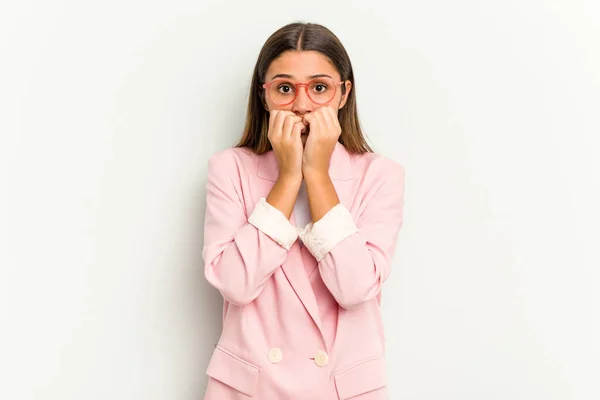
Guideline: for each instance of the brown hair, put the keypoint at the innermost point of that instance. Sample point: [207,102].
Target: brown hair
[300,36]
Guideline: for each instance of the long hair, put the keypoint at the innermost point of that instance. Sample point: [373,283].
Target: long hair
[300,36]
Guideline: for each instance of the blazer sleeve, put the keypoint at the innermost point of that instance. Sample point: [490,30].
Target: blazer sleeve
[240,253]
[354,257]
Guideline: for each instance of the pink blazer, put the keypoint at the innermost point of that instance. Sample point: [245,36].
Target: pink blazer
[300,322]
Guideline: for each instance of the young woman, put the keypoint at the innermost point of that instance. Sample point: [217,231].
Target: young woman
[302,219]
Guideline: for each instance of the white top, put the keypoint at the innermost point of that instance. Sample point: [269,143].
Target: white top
[301,208]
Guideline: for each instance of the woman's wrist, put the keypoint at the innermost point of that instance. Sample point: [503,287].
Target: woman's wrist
[290,178]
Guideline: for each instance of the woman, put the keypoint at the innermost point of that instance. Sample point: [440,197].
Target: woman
[301,225]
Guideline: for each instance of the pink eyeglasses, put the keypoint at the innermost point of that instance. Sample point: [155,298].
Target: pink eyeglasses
[283,91]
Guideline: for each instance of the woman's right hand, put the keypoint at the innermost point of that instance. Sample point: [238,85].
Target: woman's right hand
[284,133]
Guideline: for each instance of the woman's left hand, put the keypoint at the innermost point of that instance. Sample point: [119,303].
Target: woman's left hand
[324,132]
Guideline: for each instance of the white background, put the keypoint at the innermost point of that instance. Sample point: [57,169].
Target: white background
[110,110]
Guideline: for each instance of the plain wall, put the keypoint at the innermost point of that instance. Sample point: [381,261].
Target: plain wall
[110,111]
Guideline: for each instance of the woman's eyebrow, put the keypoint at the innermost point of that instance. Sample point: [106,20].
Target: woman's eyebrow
[292,77]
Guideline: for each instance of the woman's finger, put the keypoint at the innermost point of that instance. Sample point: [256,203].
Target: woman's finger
[335,122]
[278,125]
[290,121]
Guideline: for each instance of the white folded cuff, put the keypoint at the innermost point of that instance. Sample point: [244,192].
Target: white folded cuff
[273,223]
[320,237]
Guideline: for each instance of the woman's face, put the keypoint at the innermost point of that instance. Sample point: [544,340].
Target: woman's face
[299,67]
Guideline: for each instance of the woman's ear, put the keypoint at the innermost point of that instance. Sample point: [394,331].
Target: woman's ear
[348,85]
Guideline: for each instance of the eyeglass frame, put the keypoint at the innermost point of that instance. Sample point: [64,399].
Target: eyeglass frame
[267,85]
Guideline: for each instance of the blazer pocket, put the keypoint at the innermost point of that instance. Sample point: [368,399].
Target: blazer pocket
[233,371]
[361,378]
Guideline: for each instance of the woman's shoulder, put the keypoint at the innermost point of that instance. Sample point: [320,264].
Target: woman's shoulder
[232,162]
[233,153]
[232,156]
[376,165]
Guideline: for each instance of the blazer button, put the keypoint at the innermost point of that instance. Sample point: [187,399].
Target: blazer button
[321,358]
[275,355]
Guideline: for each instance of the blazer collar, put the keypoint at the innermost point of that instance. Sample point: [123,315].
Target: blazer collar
[340,166]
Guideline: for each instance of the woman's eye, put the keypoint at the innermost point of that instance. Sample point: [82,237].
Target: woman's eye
[285,88]
[320,88]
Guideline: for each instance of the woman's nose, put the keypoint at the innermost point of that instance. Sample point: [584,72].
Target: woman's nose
[302,102]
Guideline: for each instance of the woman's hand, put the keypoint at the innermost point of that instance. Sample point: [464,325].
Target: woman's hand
[284,134]
[325,130]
